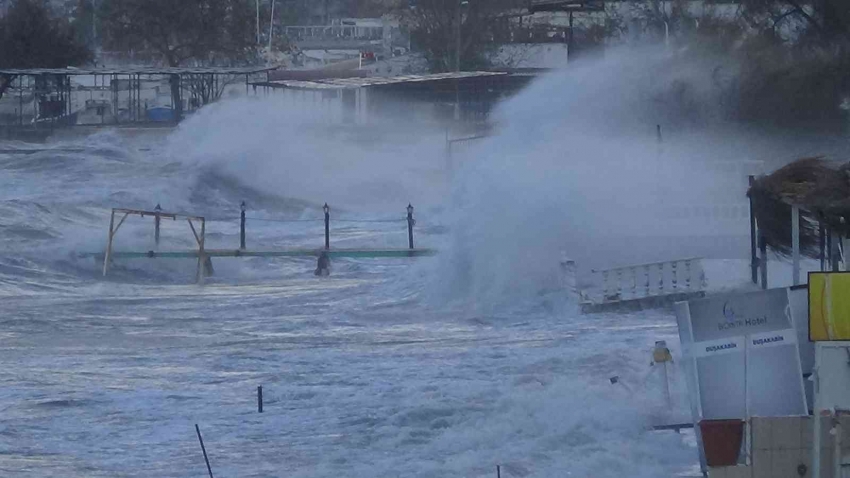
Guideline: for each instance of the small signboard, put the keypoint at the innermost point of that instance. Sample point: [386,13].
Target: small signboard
[829,306]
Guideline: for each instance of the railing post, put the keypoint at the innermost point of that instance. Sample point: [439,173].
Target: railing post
[327,226]
[242,227]
[410,223]
[156,221]
[604,285]
[661,278]
[675,281]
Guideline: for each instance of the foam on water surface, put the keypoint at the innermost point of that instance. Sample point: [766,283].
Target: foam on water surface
[446,366]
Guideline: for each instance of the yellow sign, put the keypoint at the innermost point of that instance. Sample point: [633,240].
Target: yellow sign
[829,306]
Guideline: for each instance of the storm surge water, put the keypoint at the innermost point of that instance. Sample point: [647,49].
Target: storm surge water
[611,162]
[435,367]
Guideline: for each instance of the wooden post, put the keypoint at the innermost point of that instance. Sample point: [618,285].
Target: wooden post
[260,399]
[108,255]
[202,259]
[834,251]
[498,471]
[763,252]
[242,227]
[156,222]
[327,226]
[829,248]
[795,244]
[410,223]
[204,449]
[753,257]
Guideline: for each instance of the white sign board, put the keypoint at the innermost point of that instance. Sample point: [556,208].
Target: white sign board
[833,375]
[742,356]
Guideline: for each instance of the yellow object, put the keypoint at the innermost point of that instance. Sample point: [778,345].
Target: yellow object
[829,306]
[661,355]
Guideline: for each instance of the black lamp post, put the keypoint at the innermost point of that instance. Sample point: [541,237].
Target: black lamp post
[242,226]
[156,220]
[410,223]
[327,210]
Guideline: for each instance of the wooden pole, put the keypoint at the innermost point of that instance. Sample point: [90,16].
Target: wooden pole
[834,251]
[204,449]
[829,248]
[260,399]
[202,260]
[327,226]
[108,255]
[795,244]
[410,223]
[763,251]
[754,265]
[242,228]
[157,219]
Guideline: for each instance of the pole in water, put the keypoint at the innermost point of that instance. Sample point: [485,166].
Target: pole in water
[327,226]
[242,227]
[658,133]
[410,223]
[498,471]
[157,219]
[260,399]
[204,449]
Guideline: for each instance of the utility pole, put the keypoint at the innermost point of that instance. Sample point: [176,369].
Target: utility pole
[94,22]
[271,27]
[458,19]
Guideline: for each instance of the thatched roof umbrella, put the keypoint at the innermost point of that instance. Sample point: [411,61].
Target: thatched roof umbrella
[820,189]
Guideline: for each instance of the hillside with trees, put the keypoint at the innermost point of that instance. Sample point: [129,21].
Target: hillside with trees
[31,37]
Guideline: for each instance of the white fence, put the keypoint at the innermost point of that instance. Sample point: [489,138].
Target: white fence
[643,281]
[333,32]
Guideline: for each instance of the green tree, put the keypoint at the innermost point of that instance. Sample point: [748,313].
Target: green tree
[32,38]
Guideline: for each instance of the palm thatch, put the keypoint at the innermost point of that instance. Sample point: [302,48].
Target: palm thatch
[820,189]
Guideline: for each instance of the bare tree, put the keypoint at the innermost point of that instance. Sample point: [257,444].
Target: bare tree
[31,38]
[458,33]
[208,32]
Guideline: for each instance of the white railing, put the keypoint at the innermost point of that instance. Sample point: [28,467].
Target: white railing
[333,32]
[644,280]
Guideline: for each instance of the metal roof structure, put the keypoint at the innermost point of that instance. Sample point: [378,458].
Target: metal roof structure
[565,6]
[164,70]
[354,83]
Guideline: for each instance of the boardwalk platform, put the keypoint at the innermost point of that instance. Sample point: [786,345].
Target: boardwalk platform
[333,253]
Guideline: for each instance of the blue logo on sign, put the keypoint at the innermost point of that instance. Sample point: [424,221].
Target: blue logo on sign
[728,312]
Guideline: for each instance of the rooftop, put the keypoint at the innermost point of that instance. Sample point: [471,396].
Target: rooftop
[353,83]
[162,70]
